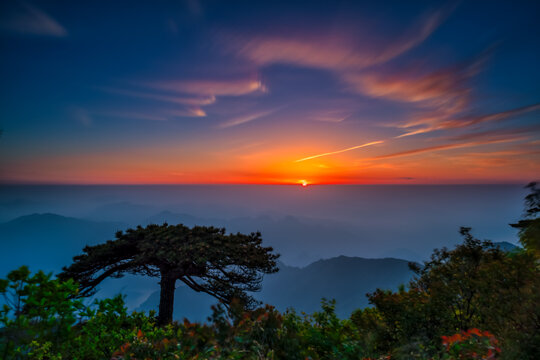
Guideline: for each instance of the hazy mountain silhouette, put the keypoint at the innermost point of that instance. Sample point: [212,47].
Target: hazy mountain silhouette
[346,279]
[505,245]
[367,221]
[124,211]
[49,241]
[299,240]
[170,217]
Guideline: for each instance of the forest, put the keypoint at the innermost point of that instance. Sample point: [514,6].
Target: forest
[475,301]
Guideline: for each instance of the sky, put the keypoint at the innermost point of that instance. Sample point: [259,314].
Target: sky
[269,92]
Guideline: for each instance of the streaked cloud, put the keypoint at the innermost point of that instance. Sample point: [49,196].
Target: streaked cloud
[433,123]
[189,112]
[82,116]
[340,151]
[446,147]
[195,7]
[339,50]
[27,19]
[236,87]
[134,115]
[185,100]
[444,96]
[157,115]
[440,94]
[493,117]
[498,133]
[333,116]
[193,95]
[245,118]
[444,88]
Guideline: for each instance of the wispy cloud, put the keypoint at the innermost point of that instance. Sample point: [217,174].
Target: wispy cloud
[176,99]
[441,94]
[234,87]
[498,133]
[24,18]
[333,116]
[134,115]
[82,116]
[335,51]
[434,122]
[190,112]
[245,118]
[447,147]
[498,116]
[469,140]
[193,95]
[446,88]
[520,157]
[444,96]
[340,151]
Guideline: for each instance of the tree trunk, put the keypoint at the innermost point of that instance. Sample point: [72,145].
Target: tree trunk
[166,298]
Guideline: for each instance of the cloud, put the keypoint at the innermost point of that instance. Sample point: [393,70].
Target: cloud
[433,122]
[195,7]
[185,100]
[447,147]
[444,96]
[245,118]
[82,116]
[497,133]
[193,95]
[335,51]
[442,88]
[236,87]
[340,151]
[498,116]
[333,116]
[134,115]
[441,94]
[24,18]
[190,112]
[416,35]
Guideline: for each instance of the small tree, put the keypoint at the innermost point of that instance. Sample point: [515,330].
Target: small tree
[529,226]
[206,259]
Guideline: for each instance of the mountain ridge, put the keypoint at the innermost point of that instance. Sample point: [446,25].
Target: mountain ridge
[345,279]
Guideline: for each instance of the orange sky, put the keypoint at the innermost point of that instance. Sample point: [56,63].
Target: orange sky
[354,93]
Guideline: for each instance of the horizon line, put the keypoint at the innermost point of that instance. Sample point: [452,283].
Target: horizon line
[266,184]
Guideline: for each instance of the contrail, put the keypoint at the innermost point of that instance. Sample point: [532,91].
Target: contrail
[340,151]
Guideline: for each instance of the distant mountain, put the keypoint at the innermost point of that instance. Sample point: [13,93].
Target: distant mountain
[49,241]
[124,211]
[403,253]
[346,279]
[186,219]
[506,246]
[300,240]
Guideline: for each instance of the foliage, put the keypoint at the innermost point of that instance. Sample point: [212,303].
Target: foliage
[437,316]
[42,319]
[206,259]
[37,309]
[529,226]
[471,344]
[65,328]
[473,286]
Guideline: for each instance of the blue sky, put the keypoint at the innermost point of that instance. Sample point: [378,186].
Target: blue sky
[269,92]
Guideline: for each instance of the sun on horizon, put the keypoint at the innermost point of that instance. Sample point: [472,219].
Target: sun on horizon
[348,92]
